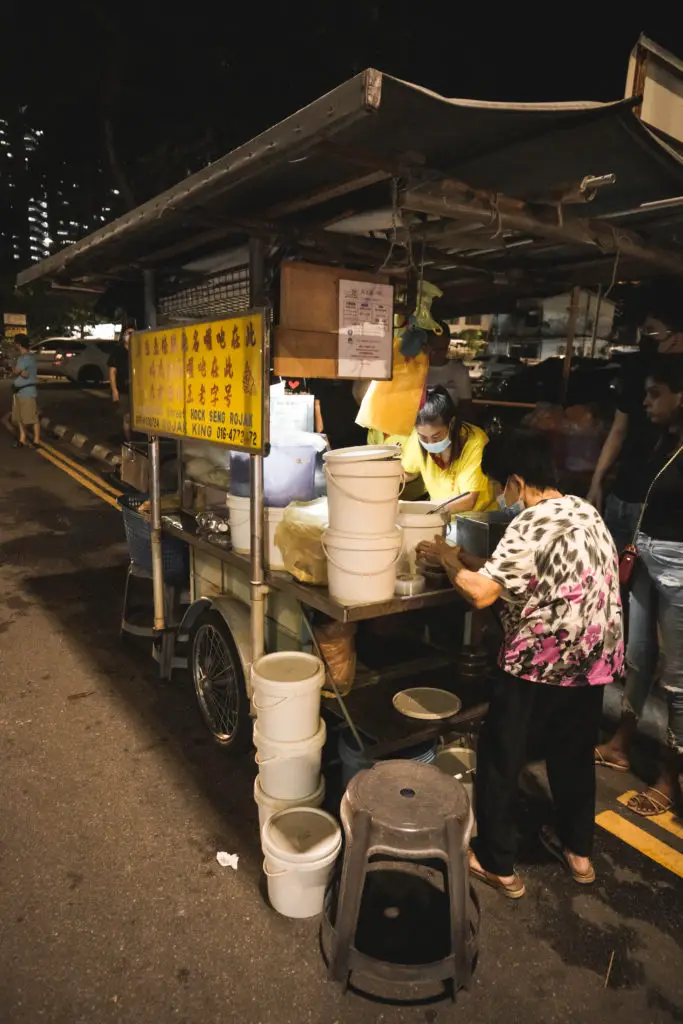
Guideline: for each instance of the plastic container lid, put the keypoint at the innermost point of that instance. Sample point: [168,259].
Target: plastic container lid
[427,702]
[301,831]
[364,453]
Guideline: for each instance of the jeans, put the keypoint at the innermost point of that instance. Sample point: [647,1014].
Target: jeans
[568,719]
[656,599]
[621,519]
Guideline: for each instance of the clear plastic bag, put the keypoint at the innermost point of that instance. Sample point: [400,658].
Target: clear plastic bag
[337,644]
[299,537]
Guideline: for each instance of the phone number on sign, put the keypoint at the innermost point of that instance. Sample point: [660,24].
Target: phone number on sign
[238,435]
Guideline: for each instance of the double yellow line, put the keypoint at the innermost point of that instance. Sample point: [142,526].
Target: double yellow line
[95,484]
[646,843]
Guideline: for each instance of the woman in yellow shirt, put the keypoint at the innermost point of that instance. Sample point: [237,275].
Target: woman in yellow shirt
[447,453]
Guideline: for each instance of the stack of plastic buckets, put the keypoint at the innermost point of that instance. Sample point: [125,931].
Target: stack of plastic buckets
[288,733]
[363,542]
[300,842]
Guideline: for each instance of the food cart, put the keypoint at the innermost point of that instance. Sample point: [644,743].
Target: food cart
[381,179]
[206,382]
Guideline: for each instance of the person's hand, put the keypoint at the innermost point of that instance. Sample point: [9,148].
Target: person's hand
[595,495]
[115,396]
[428,552]
[439,552]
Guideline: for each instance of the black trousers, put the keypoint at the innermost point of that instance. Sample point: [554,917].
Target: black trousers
[568,721]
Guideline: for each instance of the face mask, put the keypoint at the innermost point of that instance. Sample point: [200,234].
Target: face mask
[438,447]
[512,510]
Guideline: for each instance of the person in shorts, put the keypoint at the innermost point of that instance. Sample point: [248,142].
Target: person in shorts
[119,376]
[24,405]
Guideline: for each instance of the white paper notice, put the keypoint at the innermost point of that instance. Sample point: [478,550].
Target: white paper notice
[365,330]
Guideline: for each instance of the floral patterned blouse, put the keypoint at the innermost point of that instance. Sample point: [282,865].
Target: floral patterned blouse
[558,569]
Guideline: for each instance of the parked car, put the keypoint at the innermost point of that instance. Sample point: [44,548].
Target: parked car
[489,367]
[50,353]
[590,380]
[88,365]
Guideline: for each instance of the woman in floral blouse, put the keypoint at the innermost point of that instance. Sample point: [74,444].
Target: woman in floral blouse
[556,571]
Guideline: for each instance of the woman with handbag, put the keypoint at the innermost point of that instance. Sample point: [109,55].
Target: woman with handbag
[653,566]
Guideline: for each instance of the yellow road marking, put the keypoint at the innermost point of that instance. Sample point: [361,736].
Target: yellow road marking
[642,841]
[81,470]
[79,479]
[666,820]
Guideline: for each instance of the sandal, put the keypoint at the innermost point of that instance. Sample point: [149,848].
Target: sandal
[552,843]
[602,762]
[514,890]
[648,805]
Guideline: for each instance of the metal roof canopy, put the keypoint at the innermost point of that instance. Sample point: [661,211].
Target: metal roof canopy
[488,192]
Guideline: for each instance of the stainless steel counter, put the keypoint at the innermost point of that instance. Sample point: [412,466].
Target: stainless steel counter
[319,597]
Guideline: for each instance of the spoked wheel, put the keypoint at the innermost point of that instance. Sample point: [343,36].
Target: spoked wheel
[219,682]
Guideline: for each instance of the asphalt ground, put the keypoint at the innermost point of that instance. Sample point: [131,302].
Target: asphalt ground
[114,803]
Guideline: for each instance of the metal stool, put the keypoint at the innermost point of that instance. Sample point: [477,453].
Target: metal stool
[412,814]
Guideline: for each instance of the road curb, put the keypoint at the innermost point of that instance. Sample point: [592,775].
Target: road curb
[110,456]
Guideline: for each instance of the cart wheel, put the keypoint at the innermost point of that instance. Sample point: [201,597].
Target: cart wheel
[219,682]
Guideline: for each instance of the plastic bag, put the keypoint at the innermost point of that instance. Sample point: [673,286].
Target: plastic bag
[337,644]
[299,537]
[392,405]
[415,336]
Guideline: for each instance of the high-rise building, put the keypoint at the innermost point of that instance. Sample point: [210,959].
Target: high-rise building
[42,209]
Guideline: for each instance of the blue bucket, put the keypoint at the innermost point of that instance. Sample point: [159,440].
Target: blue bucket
[288,475]
[354,761]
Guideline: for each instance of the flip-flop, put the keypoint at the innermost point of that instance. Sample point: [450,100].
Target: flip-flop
[658,804]
[514,890]
[555,848]
[602,762]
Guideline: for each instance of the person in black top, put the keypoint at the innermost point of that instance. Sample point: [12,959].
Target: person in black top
[657,594]
[119,373]
[632,436]
[335,413]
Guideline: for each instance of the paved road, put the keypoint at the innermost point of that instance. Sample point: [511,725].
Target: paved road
[114,803]
[88,410]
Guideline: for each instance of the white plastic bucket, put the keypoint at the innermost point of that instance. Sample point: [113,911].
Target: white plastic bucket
[289,771]
[300,846]
[270,805]
[240,530]
[361,570]
[417,525]
[286,695]
[362,495]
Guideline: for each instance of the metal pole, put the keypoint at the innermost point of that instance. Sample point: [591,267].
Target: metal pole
[155,478]
[596,322]
[258,589]
[571,330]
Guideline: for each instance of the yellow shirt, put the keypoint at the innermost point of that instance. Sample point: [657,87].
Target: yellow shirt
[464,474]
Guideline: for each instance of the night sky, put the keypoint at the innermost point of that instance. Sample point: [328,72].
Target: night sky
[178,88]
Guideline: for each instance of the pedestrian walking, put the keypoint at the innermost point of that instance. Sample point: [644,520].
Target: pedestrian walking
[119,379]
[656,599]
[24,404]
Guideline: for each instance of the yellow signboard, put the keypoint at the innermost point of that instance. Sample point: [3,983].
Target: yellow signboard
[202,381]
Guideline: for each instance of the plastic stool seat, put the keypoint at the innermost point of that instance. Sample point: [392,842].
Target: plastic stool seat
[407,812]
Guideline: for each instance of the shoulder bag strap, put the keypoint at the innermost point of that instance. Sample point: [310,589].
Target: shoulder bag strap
[664,468]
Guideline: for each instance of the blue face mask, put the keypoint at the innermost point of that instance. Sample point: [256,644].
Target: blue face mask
[510,510]
[438,447]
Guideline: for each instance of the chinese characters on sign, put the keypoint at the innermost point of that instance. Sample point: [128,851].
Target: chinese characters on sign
[365,330]
[202,381]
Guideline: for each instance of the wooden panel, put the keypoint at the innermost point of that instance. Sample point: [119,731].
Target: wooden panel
[306,340]
[304,353]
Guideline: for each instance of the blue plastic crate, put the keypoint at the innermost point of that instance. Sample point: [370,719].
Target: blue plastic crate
[139,538]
